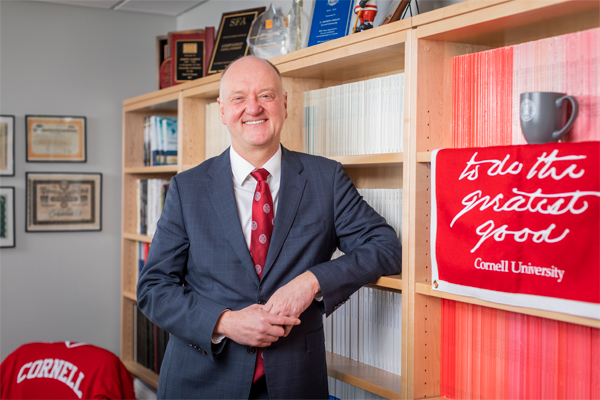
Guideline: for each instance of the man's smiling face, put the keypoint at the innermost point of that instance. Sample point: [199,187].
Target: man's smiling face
[253,105]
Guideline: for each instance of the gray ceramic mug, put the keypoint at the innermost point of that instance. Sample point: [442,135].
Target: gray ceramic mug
[544,116]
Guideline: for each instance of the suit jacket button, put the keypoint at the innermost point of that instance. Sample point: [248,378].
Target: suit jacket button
[251,350]
[262,302]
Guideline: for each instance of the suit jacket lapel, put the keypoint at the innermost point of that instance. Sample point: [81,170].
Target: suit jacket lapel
[223,199]
[291,188]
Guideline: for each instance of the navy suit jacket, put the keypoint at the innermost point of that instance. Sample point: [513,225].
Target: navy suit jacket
[199,265]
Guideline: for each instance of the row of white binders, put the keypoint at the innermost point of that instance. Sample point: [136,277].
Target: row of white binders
[365,117]
[339,390]
[160,140]
[368,328]
[387,203]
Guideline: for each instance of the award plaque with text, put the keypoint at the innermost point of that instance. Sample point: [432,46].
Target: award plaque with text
[190,53]
[62,201]
[55,138]
[231,38]
[330,20]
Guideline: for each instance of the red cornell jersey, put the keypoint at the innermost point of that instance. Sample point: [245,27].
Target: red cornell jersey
[64,370]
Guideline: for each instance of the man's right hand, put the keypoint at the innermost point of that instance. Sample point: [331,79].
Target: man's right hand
[252,326]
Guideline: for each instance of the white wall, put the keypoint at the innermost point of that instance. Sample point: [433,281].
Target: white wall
[68,60]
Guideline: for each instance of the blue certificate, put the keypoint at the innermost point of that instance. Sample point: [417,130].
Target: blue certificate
[330,20]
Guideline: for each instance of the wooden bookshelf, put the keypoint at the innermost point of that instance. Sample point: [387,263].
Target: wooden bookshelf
[422,48]
[438,37]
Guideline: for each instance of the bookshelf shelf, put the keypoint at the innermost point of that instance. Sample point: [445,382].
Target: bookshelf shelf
[369,160]
[143,373]
[129,295]
[389,282]
[137,237]
[425,289]
[424,157]
[151,170]
[371,379]
[422,47]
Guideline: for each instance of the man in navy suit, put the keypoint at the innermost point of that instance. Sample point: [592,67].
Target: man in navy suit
[200,282]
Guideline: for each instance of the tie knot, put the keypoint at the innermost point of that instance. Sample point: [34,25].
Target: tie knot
[260,174]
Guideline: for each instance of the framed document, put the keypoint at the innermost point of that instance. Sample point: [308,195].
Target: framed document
[7,145]
[55,138]
[190,53]
[63,201]
[231,38]
[395,11]
[7,216]
[330,20]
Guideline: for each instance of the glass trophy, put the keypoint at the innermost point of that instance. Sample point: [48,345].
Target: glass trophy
[295,26]
[268,36]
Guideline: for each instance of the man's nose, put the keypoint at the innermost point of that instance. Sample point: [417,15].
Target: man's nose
[253,106]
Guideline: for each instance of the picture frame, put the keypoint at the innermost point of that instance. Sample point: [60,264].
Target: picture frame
[395,11]
[63,201]
[163,62]
[7,145]
[52,138]
[7,216]
[230,42]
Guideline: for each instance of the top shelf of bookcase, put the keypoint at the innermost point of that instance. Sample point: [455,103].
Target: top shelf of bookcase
[512,22]
[375,52]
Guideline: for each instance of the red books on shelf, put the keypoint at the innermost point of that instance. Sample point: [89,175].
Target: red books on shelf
[487,88]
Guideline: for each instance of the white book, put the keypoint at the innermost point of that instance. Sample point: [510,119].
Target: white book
[354,327]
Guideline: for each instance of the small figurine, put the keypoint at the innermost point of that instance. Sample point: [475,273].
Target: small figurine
[366,10]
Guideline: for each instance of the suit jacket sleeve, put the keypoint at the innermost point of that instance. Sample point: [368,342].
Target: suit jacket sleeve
[371,246]
[163,293]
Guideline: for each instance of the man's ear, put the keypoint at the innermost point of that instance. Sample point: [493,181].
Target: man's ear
[285,104]
[221,110]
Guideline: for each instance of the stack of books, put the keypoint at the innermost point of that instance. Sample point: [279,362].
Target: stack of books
[151,195]
[149,342]
[160,140]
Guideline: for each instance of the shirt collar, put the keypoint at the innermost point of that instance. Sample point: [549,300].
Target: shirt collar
[241,168]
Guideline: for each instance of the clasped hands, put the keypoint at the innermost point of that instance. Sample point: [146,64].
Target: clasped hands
[260,325]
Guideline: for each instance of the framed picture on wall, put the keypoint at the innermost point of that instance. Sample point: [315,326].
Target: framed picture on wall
[55,138]
[62,201]
[7,216]
[7,145]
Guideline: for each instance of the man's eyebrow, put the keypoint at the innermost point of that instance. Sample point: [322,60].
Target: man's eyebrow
[265,89]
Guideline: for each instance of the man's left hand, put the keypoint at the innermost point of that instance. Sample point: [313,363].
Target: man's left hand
[292,299]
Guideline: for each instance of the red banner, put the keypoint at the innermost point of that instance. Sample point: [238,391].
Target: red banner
[519,225]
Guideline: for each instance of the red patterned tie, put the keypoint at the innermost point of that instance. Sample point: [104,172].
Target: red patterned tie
[262,228]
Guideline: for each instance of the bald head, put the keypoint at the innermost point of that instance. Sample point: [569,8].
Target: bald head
[247,60]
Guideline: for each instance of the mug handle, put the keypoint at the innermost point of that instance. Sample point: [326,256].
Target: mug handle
[558,134]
